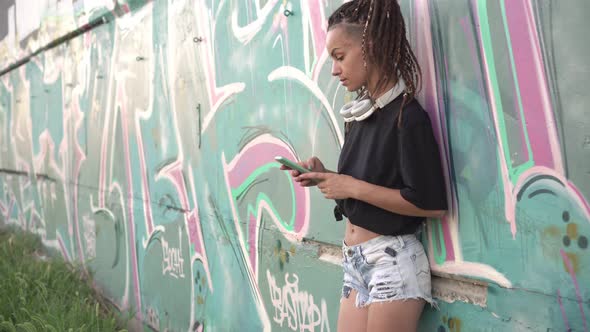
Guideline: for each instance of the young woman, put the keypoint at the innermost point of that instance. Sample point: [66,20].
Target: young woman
[389,175]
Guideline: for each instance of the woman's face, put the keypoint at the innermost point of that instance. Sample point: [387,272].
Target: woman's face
[346,52]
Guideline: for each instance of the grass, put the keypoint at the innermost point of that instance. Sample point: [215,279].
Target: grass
[46,294]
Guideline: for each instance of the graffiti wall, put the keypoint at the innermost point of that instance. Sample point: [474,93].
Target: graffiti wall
[138,138]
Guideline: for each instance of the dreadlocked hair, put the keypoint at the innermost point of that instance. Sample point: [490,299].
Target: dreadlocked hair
[384,43]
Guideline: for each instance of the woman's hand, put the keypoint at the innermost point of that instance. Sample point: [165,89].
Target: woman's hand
[313,164]
[332,185]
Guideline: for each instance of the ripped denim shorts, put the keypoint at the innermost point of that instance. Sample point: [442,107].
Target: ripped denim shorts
[386,268]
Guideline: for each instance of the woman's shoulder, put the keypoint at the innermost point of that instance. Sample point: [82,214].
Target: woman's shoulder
[413,113]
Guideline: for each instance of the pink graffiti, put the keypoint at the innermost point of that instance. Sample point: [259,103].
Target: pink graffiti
[508,197]
[568,264]
[256,154]
[102,178]
[433,102]
[533,86]
[47,153]
[573,192]
[74,117]
[563,314]
[147,207]
[319,26]
[174,173]
[62,247]
[121,98]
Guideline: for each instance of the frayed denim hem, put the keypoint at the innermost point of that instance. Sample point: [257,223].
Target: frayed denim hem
[430,301]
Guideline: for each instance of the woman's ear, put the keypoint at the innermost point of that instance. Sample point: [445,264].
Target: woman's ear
[368,55]
[369,46]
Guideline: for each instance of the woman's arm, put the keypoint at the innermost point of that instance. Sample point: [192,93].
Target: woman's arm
[340,186]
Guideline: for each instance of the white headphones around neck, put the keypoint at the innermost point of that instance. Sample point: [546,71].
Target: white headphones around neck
[359,110]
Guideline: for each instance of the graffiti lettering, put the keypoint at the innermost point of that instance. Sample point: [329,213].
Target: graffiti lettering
[172,261]
[296,308]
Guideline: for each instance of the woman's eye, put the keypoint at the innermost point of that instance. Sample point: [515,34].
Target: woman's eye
[340,58]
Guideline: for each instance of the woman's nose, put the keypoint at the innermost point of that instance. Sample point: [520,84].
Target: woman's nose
[335,69]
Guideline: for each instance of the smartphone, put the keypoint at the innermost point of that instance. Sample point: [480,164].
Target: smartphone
[291,164]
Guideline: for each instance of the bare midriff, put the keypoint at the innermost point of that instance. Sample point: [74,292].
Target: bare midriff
[354,235]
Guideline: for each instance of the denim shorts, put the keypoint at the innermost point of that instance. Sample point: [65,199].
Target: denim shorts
[386,268]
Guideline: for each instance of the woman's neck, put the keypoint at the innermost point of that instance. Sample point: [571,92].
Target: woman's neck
[376,94]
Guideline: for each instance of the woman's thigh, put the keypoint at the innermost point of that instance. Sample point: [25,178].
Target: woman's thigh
[394,316]
[350,317]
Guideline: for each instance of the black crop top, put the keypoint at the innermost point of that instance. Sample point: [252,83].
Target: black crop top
[377,151]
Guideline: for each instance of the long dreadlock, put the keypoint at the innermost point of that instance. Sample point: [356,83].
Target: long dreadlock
[384,42]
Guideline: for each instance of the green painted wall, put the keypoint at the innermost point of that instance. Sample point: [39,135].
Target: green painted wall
[144,148]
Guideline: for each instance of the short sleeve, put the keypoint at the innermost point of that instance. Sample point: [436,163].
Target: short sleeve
[420,166]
